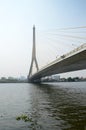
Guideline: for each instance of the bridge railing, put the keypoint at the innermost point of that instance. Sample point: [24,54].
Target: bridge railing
[75,50]
[65,56]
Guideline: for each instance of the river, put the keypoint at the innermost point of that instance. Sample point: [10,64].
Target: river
[52,106]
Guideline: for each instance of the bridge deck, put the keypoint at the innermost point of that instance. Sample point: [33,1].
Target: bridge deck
[74,60]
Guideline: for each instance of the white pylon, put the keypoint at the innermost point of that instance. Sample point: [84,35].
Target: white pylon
[34,60]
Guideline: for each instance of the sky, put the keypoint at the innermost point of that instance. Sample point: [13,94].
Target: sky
[17,18]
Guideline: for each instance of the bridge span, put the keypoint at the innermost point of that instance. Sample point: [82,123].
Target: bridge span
[72,61]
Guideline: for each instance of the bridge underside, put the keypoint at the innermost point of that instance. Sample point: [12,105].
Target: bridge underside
[72,63]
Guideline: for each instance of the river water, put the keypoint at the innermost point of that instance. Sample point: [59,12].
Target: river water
[53,106]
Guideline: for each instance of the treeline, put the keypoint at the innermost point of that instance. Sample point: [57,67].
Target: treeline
[75,79]
[12,80]
[69,79]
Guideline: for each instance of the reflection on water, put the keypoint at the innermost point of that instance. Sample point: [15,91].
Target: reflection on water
[57,106]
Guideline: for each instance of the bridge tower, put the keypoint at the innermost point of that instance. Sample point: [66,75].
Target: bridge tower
[34,60]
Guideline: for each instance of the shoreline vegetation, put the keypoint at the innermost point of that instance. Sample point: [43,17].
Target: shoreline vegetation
[24,80]
[12,80]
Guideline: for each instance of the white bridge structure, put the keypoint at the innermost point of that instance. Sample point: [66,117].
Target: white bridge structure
[72,61]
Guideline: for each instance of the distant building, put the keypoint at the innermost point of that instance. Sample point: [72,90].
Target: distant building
[56,77]
[52,78]
[22,78]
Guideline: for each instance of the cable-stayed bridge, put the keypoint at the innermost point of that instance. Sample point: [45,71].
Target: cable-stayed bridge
[71,60]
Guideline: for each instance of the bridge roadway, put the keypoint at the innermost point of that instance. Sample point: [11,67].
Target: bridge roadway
[72,61]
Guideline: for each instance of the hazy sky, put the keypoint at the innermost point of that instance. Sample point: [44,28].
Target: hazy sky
[16,21]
